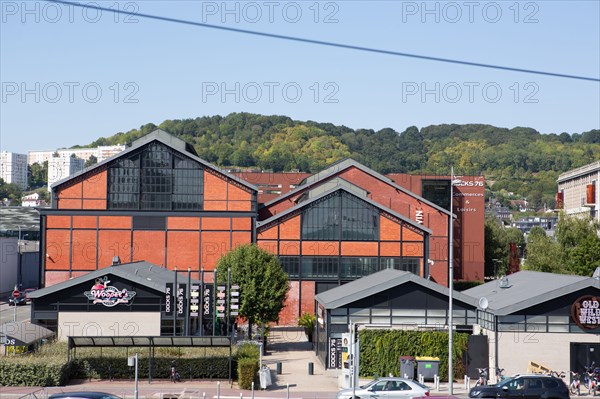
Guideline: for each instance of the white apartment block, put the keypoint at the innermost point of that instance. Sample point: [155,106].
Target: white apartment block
[62,167]
[579,191]
[13,168]
[101,153]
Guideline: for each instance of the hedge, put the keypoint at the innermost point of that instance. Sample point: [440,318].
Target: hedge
[247,357]
[116,368]
[35,374]
[380,350]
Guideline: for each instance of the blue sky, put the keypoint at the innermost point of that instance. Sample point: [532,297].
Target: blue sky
[70,75]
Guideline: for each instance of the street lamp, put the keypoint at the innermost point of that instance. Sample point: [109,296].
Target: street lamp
[133,361]
[451,284]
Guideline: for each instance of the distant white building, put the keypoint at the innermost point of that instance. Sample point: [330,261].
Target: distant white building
[579,191]
[32,200]
[62,167]
[13,168]
[101,153]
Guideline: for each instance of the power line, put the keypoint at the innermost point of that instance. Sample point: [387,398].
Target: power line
[330,44]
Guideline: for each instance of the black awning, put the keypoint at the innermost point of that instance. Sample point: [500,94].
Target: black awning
[159,341]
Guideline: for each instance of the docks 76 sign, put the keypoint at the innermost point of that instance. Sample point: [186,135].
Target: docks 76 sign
[586,312]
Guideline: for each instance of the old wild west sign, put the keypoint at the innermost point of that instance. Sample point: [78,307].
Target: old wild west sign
[108,295]
[586,312]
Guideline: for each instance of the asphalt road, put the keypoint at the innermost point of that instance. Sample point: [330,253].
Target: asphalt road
[7,313]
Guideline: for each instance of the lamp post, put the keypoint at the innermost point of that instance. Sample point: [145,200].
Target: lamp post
[451,285]
[133,361]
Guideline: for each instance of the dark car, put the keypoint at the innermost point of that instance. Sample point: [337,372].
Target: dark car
[20,300]
[524,386]
[83,395]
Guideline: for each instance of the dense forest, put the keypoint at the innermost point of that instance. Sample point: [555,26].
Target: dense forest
[520,160]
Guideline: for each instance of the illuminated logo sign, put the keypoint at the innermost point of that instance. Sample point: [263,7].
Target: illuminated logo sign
[108,295]
[586,312]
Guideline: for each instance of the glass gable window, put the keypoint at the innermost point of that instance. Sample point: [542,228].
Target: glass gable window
[340,216]
[155,178]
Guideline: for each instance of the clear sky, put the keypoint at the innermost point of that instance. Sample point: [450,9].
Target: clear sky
[70,75]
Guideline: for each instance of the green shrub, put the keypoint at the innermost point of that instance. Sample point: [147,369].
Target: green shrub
[247,369]
[380,350]
[248,350]
[26,372]
[308,321]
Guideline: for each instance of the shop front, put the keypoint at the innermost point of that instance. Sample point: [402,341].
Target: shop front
[388,299]
[537,321]
[134,299]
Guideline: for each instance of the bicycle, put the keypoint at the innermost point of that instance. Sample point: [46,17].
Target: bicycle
[589,379]
[500,375]
[483,377]
[575,385]
[175,376]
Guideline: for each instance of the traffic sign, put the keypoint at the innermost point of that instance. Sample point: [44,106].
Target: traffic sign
[16,293]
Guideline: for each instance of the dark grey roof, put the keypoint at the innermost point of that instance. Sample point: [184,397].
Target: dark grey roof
[528,288]
[173,142]
[345,164]
[166,139]
[351,192]
[13,217]
[25,332]
[378,282]
[142,273]
[328,185]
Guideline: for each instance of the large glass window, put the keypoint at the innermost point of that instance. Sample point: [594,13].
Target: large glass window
[319,267]
[437,191]
[358,267]
[155,178]
[291,265]
[340,216]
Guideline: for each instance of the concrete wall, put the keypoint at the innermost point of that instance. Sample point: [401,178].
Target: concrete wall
[104,324]
[8,264]
[517,349]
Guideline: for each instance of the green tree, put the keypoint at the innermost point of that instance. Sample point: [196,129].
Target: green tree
[543,253]
[262,280]
[496,246]
[92,160]
[579,242]
[11,192]
[37,175]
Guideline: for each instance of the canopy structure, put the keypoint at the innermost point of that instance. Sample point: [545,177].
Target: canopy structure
[150,343]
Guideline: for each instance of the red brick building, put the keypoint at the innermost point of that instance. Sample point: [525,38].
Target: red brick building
[156,201]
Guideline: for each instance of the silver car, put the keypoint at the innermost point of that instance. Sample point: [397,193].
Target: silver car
[387,388]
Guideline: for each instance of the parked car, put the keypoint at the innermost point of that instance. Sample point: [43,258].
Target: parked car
[536,386]
[83,395]
[387,388]
[27,292]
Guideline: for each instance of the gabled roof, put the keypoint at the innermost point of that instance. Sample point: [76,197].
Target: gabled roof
[528,288]
[351,192]
[345,164]
[25,332]
[141,273]
[378,282]
[166,139]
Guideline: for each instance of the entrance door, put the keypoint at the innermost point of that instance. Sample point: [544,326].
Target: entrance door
[477,355]
[584,354]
